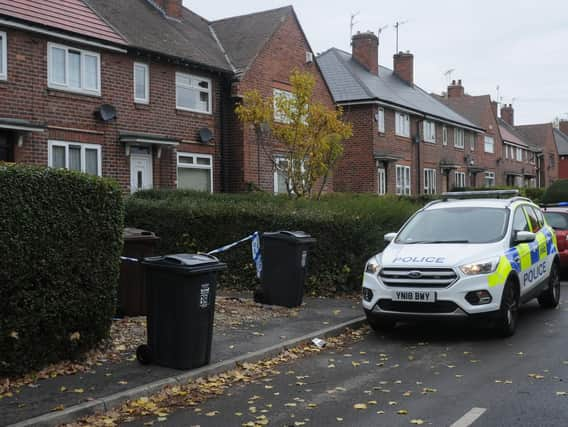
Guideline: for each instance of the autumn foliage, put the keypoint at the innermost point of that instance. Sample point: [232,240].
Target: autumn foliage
[60,242]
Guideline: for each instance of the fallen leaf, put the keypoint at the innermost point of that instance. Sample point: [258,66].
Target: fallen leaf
[417,421]
[78,390]
[562,393]
[14,335]
[360,406]
[402,412]
[122,382]
[339,419]
[380,412]
[62,389]
[58,408]
[75,336]
[212,413]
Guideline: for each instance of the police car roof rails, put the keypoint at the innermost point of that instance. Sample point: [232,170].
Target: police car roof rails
[496,194]
[519,199]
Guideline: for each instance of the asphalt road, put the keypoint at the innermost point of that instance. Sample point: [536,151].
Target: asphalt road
[431,373]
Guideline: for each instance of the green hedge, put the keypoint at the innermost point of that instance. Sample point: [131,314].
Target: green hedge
[349,229]
[557,192]
[60,240]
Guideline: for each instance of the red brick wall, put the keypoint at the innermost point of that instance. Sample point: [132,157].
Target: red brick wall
[70,117]
[563,168]
[250,164]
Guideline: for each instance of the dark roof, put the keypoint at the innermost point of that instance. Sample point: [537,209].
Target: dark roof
[243,37]
[146,27]
[561,140]
[470,107]
[68,15]
[512,135]
[535,134]
[349,81]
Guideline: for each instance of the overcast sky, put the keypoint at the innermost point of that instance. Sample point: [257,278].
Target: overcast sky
[519,45]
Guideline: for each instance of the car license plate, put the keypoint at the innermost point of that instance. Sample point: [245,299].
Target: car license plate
[414,296]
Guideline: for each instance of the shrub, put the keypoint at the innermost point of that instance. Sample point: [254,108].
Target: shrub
[557,192]
[348,228]
[60,240]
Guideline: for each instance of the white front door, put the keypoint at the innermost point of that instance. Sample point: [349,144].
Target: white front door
[140,171]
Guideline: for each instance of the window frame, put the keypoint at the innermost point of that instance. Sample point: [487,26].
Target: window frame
[278,116]
[430,181]
[66,144]
[444,135]
[459,132]
[429,131]
[519,151]
[381,181]
[4,56]
[381,120]
[406,172]
[488,174]
[209,92]
[471,137]
[52,84]
[490,138]
[459,178]
[146,99]
[194,165]
[405,124]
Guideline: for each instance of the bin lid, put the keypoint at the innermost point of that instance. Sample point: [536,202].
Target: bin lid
[191,263]
[295,236]
[130,233]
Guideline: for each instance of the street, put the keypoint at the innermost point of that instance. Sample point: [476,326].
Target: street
[430,374]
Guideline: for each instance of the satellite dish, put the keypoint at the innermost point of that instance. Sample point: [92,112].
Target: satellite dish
[205,135]
[106,112]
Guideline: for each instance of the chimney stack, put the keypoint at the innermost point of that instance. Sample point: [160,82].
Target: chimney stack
[365,49]
[456,90]
[508,114]
[563,126]
[494,107]
[172,8]
[403,65]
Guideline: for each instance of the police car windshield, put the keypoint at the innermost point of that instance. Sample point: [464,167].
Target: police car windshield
[455,225]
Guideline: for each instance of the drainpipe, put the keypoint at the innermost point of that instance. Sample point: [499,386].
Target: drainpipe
[416,140]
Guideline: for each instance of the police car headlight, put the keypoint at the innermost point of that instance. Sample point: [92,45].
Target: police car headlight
[482,267]
[373,266]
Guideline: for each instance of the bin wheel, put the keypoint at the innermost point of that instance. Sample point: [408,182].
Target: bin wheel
[144,354]
[258,295]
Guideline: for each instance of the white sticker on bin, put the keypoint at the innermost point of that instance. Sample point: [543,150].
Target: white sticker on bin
[204,296]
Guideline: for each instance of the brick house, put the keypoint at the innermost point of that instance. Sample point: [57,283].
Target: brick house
[561,139]
[542,135]
[140,91]
[404,141]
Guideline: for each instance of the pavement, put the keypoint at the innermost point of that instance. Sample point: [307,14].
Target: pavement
[110,384]
[435,374]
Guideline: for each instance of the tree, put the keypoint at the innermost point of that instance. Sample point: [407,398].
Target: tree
[309,134]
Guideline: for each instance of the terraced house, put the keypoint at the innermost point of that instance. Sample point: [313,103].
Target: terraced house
[142,91]
[405,141]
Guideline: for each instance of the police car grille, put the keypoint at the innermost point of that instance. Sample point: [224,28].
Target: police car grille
[418,278]
[417,307]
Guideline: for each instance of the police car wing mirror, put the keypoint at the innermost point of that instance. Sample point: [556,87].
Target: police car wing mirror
[389,237]
[524,237]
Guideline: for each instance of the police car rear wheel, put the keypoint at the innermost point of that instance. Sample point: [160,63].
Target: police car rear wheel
[381,325]
[507,321]
[550,297]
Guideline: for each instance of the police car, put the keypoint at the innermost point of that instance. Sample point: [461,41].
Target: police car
[468,255]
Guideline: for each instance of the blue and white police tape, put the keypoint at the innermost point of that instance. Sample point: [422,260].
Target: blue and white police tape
[255,244]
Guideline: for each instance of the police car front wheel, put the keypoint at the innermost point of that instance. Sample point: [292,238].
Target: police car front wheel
[550,297]
[509,311]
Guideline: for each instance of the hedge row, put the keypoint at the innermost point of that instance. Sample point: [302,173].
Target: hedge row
[60,239]
[348,228]
[557,192]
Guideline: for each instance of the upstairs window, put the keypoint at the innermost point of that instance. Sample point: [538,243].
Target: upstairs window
[3,56]
[506,151]
[444,135]
[73,69]
[519,154]
[279,115]
[193,93]
[458,138]
[429,131]
[381,120]
[141,83]
[471,137]
[402,127]
[489,144]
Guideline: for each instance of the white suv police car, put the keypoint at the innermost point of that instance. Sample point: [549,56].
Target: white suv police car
[466,258]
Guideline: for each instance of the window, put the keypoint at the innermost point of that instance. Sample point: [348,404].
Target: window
[429,131]
[535,226]
[506,151]
[460,179]
[458,138]
[280,116]
[195,172]
[79,157]
[471,137]
[445,135]
[490,179]
[429,181]
[489,144]
[519,182]
[402,125]
[519,154]
[532,157]
[3,56]
[520,220]
[381,120]
[141,83]
[281,181]
[73,69]
[403,180]
[193,93]
[381,181]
